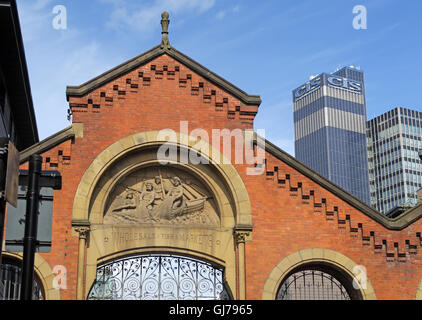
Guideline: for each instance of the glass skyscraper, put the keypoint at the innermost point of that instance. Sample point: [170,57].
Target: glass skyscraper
[330,129]
[395,169]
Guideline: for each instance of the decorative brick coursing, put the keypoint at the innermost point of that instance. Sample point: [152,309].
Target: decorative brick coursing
[292,213]
[168,74]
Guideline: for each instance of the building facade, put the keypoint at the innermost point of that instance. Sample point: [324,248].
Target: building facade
[395,169]
[329,123]
[129,225]
[17,117]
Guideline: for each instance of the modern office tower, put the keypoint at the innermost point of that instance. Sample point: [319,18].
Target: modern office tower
[330,124]
[395,169]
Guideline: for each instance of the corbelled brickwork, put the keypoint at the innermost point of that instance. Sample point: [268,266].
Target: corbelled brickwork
[164,87]
[293,213]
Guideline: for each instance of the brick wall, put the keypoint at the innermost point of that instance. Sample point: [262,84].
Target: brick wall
[162,93]
[296,214]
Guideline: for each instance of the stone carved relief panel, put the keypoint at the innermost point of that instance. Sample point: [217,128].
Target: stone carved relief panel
[162,195]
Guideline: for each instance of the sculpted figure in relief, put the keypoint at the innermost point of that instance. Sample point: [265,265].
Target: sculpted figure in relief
[161,201]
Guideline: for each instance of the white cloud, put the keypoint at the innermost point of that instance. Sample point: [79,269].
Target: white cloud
[220,14]
[41,4]
[56,59]
[33,19]
[70,57]
[145,18]
[329,53]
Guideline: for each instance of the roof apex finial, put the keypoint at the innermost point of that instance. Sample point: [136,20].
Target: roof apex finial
[165,43]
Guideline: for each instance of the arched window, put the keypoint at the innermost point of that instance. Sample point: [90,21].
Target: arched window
[317,282]
[10,281]
[159,277]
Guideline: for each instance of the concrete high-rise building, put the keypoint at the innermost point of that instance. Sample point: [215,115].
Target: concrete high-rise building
[329,123]
[395,169]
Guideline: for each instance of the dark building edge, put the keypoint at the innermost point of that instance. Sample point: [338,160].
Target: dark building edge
[16,76]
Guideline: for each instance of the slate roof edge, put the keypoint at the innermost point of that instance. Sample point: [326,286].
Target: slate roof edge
[75,130]
[399,223]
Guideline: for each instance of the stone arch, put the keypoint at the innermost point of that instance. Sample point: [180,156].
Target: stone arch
[44,273]
[128,144]
[307,256]
[180,252]
[139,151]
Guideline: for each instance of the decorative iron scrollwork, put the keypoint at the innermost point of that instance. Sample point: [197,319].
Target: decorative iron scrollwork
[312,285]
[158,277]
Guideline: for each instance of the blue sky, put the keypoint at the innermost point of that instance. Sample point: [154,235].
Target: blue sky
[266,47]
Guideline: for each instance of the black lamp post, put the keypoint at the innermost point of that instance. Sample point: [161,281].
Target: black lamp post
[34,179]
[31,225]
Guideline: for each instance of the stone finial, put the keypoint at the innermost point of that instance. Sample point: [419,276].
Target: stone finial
[165,43]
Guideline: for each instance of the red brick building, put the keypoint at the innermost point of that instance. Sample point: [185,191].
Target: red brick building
[125,226]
